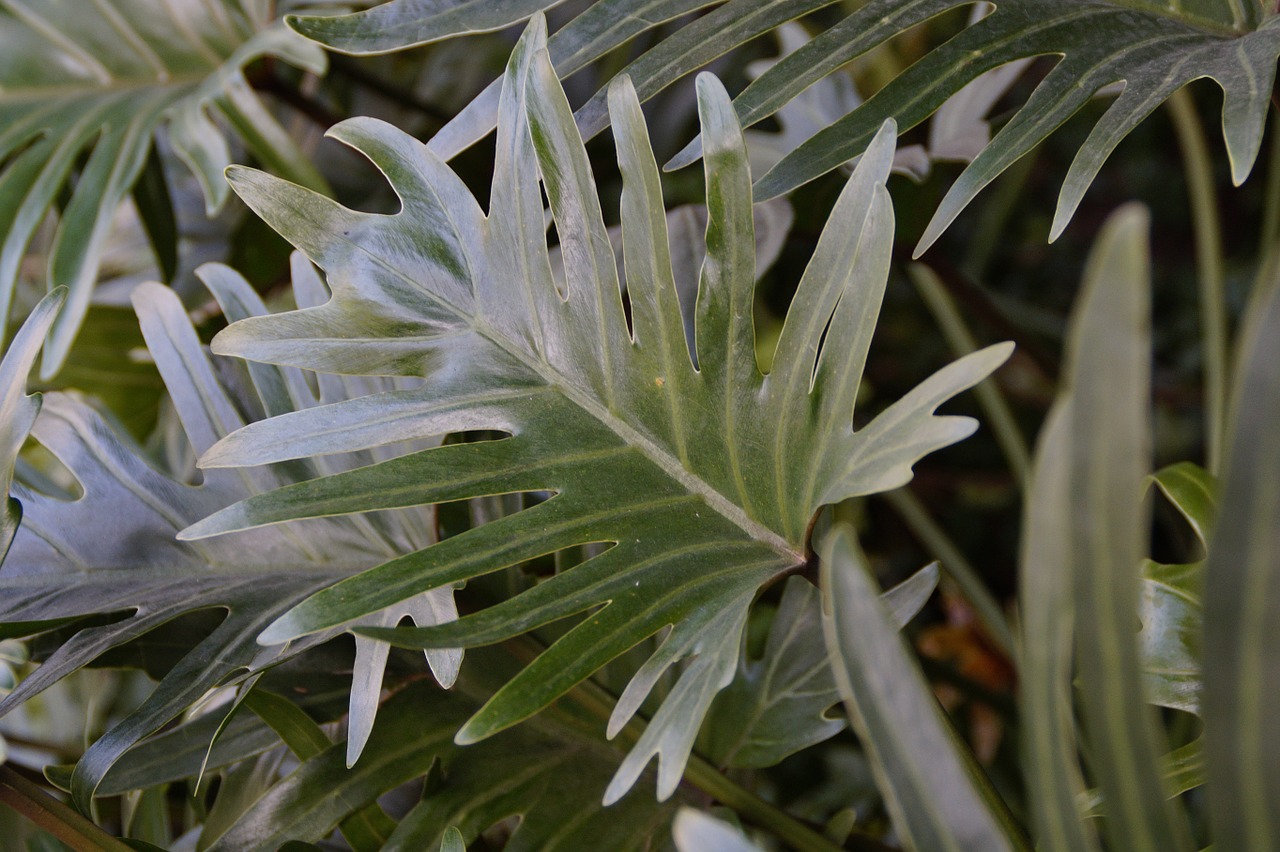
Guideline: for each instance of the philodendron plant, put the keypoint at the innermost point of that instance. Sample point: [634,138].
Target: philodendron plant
[546,424]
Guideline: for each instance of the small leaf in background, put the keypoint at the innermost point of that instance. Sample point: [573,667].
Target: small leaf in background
[695,831]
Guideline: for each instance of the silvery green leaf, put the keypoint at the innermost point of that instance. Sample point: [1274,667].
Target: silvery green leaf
[699,483]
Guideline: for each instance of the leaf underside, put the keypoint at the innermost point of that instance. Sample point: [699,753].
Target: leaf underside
[700,483]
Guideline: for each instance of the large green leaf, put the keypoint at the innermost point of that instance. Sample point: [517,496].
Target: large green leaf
[112,550]
[935,791]
[702,483]
[1242,594]
[95,80]
[1151,48]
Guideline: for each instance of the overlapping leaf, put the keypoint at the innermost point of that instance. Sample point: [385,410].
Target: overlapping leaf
[407,23]
[545,775]
[112,551]
[1151,48]
[401,23]
[1081,573]
[94,80]
[700,482]
[779,704]
[959,130]
[1108,424]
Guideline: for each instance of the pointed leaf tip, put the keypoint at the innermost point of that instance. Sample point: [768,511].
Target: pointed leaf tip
[280,631]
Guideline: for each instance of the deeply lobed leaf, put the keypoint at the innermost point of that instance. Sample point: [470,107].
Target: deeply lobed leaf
[1151,49]
[701,483]
[18,410]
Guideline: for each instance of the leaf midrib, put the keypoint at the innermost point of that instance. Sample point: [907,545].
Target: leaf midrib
[669,464]
[70,91]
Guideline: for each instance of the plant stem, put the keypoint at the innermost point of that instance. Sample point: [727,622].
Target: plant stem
[961,341]
[56,818]
[269,142]
[991,228]
[939,544]
[1209,268]
[1269,242]
[979,305]
[356,72]
[757,811]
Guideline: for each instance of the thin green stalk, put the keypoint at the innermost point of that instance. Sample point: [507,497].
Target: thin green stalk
[939,544]
[1198,167]
[60,820]
[270,143]
[1269,240]
[960,339]
[757,811]
[991,228]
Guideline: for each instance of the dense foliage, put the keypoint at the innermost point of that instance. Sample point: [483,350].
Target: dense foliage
[618,397]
